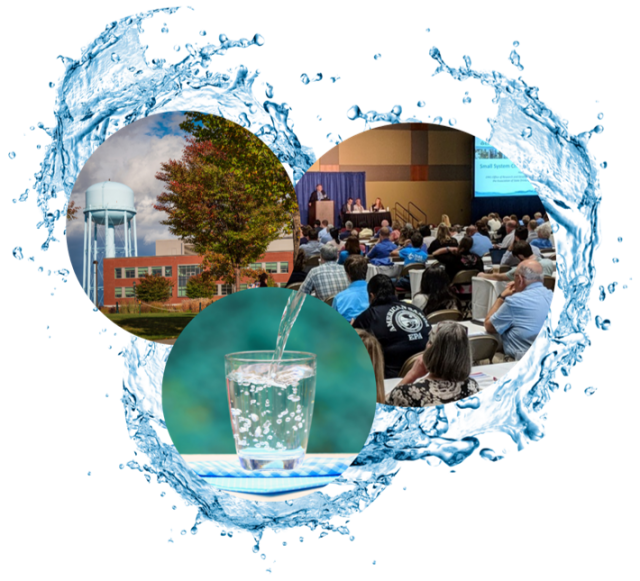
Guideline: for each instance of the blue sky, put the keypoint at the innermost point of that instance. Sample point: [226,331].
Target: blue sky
[131,156]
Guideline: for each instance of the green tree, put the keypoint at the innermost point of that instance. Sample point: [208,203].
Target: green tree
[229,196]
[153,289]
[200,287]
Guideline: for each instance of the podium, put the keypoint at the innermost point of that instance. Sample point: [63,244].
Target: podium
[322,210]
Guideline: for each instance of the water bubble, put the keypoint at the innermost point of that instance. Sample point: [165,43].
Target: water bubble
[603,324]
[174,507]
[352,538]
[176,48]
[121,466]
[183,532]
[17,253]
[263,556]
[603,165]
[203,33]
[304,78]
[258,39]
[466,99]
[514,57]
[162,494]
[619,238]
[334,79]
[38,146]
[377,56]
[615,261]
[567,387]
[437,120]
[598,129]
[268,91]
[452,121]
[32,128]
[590,390]
[421,103]
[516,43]
[114,57]
[374,561]
[428,30]
[12,155]
[527,132]
[164,29]
[88,473]
[612,287]
[602,294]
[301,539]
[51,85]
[489,454]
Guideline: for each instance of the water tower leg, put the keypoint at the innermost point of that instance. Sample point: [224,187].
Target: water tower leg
[84,257]
[135,237]
[95,261]
[88,257]
[109,237]
[126,237]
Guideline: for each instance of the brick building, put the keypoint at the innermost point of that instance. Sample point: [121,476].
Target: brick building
[176,260]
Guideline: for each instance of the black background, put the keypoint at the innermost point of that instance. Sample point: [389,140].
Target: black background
[63,424]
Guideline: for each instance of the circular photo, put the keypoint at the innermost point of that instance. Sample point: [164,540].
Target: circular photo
[453,235]
[269,393]
[173,212]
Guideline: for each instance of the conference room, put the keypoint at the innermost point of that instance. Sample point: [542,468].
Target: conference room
[459,232]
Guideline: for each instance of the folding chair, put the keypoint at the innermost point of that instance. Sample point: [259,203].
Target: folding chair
[483,347]
[444,315]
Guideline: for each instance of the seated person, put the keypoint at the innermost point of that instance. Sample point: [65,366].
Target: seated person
[458,259]
[481,243]
[354,299]
[510,233]
[508,258]
[531,230]
[412,252]
[443,238]
[346,209]
[435,291]
[383,224]
[299,273]
[395,231]
[401,329]
[521,310]
[378,206]
[327,279]
[347,232]
[304,235]
[377,360]
[335,238]
[441,375]
[325,234]
[521,251]
[383,248]
[358,207]
[312,248]
[544,234]
[351,246]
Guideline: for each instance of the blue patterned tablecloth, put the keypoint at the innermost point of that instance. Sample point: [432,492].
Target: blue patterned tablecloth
[228,475]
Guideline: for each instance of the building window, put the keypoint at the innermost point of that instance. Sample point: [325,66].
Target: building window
[225,289]
[118,273]
[284,267]
[142,271]
[168,271]
[129,272]
[256,266]
[185,272]
[118,292]
[156,271]
[129,292]
[243,287]
[271,267]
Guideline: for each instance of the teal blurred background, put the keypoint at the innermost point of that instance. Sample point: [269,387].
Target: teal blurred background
[194,391]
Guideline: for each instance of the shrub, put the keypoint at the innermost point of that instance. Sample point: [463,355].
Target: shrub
[153,289]
[199,287]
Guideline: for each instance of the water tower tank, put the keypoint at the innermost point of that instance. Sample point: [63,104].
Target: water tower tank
[110,201]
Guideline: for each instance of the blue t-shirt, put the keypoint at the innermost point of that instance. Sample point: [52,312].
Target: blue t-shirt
[344,254]
[521,317]
[382,249]
[541,243]
[481,244]
[353,300]
[412,255]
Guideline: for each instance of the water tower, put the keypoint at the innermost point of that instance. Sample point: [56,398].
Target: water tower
[109,230]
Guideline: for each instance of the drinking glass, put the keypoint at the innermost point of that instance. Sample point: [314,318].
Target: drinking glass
[271,406]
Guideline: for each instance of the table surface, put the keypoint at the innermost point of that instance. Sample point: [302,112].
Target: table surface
[497,370]
[262,497]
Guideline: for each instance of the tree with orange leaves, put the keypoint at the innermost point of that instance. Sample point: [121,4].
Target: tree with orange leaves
[229,196]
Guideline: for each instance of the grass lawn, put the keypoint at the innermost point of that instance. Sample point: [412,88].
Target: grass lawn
[153,326]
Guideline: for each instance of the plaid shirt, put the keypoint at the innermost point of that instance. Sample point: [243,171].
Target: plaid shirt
[327,280]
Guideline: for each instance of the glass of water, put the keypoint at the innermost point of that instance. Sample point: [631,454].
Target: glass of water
[271,406]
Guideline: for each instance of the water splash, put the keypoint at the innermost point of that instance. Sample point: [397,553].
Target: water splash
[289,316]
[557,163]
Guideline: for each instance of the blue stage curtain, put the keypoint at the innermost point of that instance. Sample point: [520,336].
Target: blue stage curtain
[339,186]
[505,206]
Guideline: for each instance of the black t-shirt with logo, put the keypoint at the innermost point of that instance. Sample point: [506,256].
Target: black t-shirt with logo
[401,329]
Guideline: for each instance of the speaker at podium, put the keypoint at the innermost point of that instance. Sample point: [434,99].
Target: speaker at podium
[321,210]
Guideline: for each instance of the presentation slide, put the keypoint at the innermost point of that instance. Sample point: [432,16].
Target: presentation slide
[496,175]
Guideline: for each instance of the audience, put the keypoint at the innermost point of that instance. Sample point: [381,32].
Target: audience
[521,251]
[383,248]
[531,230]
[435,291]
[441,375]
[354,299]
[351,246]
[383,224]
[445,220]
[544,233]
[443,238]
[327,279]
[377,359]
[335,238]
[312,248]
[494,222]
[395,231]
[538,218]
[412,252]
[299,273]
[519,313]
[304,238]
[401,329]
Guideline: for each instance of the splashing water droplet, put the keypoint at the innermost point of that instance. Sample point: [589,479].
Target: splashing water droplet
[598,129]
[428,30]
[619,238]
[604,165]
[615,261]
[452,121]
[421,103]
[88,473]
[590,390]
[176,48]
[612,287]
[466,99]
[377,56]
[17,253]
[334,79]
[516,43]
[489,454]
[268,91]
[164,29]
[567,387]
[603,324]
[437,120]
[114,57]
[527,132]
[51,85]
[203,33]
[514,57]
[600,115]
[12,155]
